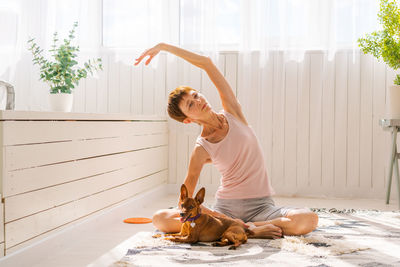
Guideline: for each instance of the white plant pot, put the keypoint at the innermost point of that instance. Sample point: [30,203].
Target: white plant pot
[61,102]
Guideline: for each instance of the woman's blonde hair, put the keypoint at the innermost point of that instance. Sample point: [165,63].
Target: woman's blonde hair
[174,99]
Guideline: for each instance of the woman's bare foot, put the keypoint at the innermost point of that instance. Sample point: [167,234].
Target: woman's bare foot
[266,231]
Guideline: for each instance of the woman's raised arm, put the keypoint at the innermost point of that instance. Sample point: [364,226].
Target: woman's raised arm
[227,96]
[193,58]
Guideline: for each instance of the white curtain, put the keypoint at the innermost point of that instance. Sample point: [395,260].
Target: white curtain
[9,21]
[39,19]
[207,26]
[293,26]
[138,24]
[60,16]
[259,28]
[116,25]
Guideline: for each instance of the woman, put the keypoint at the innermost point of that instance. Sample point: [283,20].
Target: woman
[230,144]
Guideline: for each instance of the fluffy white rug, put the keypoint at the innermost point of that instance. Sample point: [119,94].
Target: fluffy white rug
[343,238]
[315,245]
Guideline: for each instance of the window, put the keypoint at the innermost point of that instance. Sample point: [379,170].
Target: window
[223,16]
[138,23]
[231,24]
[123,22]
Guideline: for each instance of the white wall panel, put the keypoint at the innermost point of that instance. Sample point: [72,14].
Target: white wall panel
[160,96]
[113,85]
[102,87]
[80,96]
[266,118]
[303,128]
[91,94]
[148,90]
[353,122]
[137,90]
[328,125]
[380,151]
[125,90]
[290,152]
[366,122]
[340,122]
[278,162]
[316,68]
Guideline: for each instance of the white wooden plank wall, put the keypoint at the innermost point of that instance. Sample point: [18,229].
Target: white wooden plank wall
[55,173]
[317,120]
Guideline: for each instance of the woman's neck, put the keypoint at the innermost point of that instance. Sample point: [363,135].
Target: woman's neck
[213,122]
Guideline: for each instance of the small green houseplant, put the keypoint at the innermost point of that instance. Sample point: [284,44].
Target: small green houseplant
[385,44]
[62,74]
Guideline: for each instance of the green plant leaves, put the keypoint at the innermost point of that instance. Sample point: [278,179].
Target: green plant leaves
[62,74]
[385,44]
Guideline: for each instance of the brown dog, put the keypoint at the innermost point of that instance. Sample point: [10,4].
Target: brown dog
[198,226]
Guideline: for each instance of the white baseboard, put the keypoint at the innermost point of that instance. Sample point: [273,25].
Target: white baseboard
[35,252]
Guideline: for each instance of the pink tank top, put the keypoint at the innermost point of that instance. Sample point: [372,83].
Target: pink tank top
[239,159]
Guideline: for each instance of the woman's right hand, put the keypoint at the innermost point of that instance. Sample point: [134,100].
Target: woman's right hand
[152,52]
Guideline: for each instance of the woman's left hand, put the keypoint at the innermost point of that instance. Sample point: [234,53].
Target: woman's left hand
[152,52]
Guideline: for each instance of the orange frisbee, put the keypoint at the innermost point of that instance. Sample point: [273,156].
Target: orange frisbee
[137,220]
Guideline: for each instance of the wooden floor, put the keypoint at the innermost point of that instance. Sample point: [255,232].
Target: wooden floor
[105,239]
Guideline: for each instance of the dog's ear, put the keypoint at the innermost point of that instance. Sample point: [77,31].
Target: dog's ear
[184,192]
[200,195]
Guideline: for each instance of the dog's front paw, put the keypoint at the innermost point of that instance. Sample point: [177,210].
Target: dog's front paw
[156,236]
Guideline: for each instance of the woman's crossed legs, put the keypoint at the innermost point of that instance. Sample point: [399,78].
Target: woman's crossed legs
[264,218]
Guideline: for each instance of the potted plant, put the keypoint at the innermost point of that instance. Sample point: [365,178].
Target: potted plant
[62,73]
[385,44]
